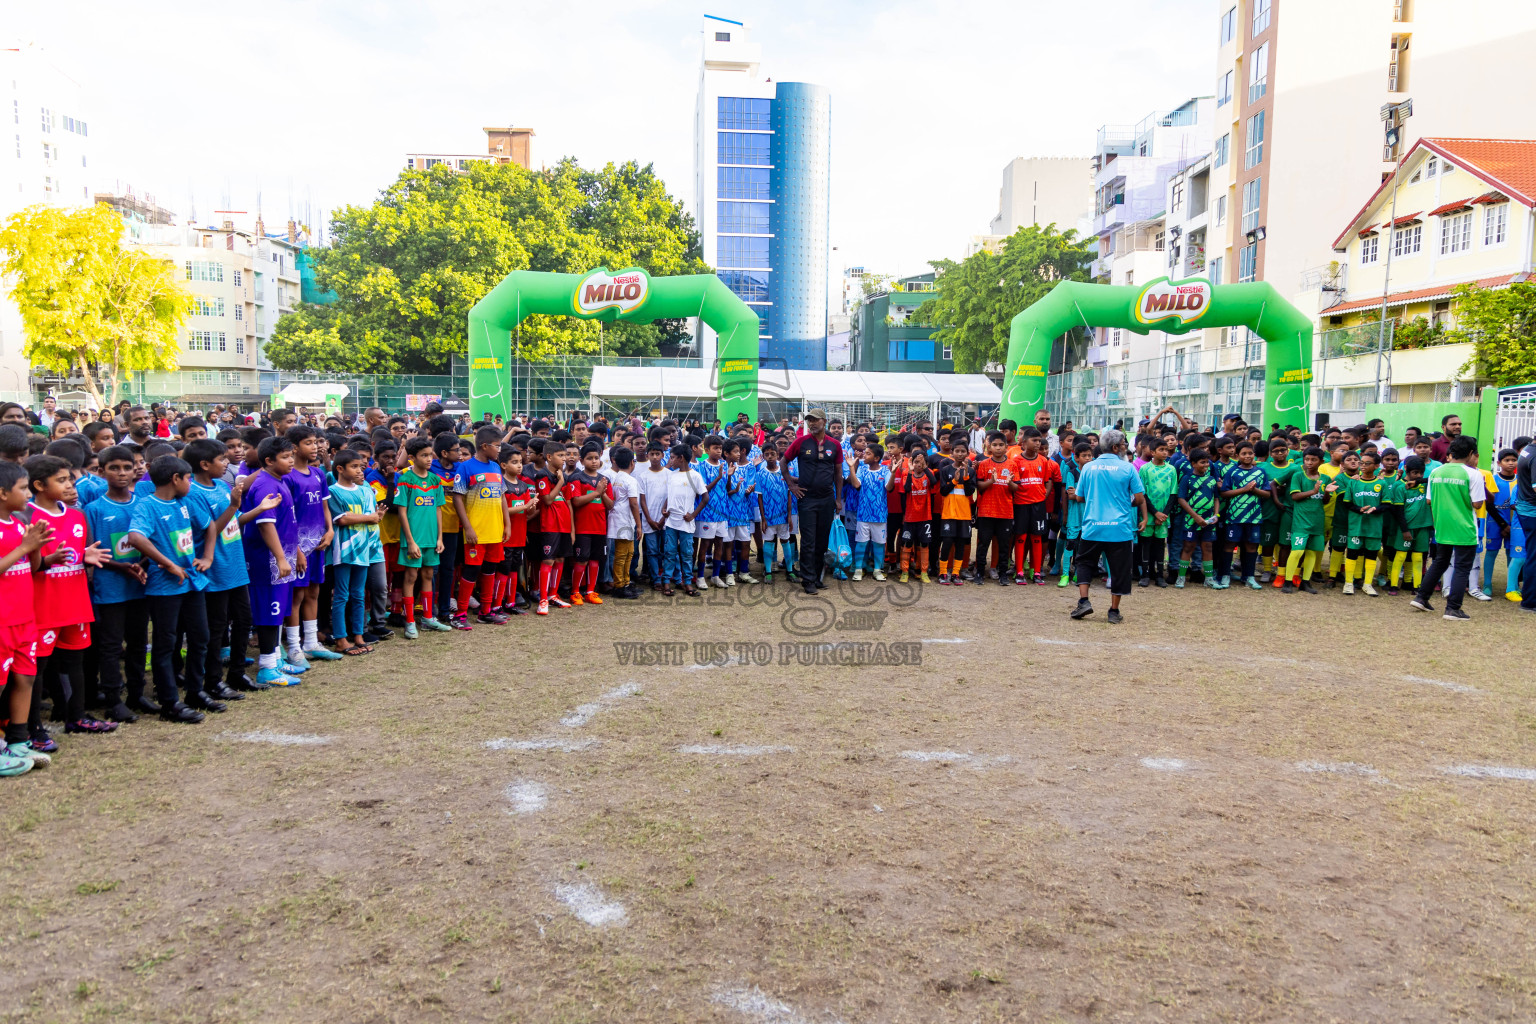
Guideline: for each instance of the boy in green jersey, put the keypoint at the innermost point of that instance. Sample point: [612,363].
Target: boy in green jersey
[1308,494]
[1200,498]
[418,496]
[1242,492]
[1416,522]
[1274,537]
[1161,482]
[1365,525]
[1338,532]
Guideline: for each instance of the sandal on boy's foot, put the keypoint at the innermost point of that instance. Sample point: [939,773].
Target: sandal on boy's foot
[12,765]
[90,725]
[320,654]
[42,742]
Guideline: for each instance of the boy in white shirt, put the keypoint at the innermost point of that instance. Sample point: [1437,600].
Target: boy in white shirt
[652,482]
[686,494]
[622,519]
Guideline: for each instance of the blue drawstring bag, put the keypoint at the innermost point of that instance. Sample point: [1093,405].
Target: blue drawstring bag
[839,551]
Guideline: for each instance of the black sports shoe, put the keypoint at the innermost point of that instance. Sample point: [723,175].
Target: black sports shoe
[1083,609]
[221,692]
[1455,613]
[203,702]
[1114,617]
[144,705]
[179,712]
[121,712]
[1307,587]
[1161,583]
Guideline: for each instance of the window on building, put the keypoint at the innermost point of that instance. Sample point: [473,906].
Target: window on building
[743,218]
[1251,205]
[203,378]
[1431,167]
[47,120]
[744,183]
[949,353]
[1370,248]
[1260,16]
[743,251]
[239,345]
[1406,241]
[1227,27]
[1495,223]
[206,341]
[1397,65]
[1255,154]
[745,114]
[722,37]
[1216,266]
[749,285]
[204,270]
[1455,233]
[1221,210]
[239,311]
[1258,74]
[1248,262]
[237,277]
[1160,241]
[1224,88]
[743,148]
[203,305]
[1223,147]
[910,350]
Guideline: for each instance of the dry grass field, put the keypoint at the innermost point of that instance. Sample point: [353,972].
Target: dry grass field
[1233,807]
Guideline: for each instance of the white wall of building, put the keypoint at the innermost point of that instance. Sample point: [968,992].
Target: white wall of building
[1044,190]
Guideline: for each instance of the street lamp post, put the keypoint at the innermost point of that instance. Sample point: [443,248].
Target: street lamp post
[1394,115]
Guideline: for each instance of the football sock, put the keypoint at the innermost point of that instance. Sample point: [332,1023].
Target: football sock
[410,611]
[1397,567]
[594,573]
[426,604]
[1308,564]
[311,628]
[922,558]
[859,550]
[1037,554]
[466,588]
[906,559]
[1294,561]
[487,584]
[1209,568]
[1349,569]
[1370,571]
[1512,583]
[1418,569]
[770,552]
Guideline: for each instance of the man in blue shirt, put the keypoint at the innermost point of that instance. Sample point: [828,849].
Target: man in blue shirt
[1114,511]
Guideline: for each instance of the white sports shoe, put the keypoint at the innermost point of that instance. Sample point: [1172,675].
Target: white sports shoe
[720,582]
[1349,587]
[858,574]
[880,575]
[1477,594]
[745,577]
[730,579]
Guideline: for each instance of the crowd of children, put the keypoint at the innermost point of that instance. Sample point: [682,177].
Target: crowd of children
[117,554]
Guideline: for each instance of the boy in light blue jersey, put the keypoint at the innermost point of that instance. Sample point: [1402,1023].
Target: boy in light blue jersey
[868,483]
[739,501]
[117,591]
[773,502]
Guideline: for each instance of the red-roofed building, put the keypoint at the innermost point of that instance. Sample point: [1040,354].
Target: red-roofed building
[1476,224]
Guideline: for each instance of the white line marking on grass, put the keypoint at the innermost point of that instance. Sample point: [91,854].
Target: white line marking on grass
[586,712]
[568,746]
[1164,764]
[979,762]
[1454,687]
[282,739]
[587,903]
[736,750]
[1338,768]
[763,1008]
[1491,771]
[526,797]
[729,661]
[952,640]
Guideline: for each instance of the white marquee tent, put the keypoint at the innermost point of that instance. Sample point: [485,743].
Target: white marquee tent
[855,395]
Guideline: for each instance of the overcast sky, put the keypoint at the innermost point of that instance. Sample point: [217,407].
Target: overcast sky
[320,102]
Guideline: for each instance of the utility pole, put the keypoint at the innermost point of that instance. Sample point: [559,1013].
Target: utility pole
[1394,116]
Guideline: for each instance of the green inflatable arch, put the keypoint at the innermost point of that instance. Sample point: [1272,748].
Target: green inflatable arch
[1176,307]
[630,294]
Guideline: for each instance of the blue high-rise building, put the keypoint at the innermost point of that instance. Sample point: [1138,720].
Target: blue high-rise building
[762,160]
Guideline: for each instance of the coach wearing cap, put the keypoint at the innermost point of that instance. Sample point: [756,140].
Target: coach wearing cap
[818,489]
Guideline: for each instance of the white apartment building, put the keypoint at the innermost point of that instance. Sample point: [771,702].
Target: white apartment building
[45,157]
[1044,190]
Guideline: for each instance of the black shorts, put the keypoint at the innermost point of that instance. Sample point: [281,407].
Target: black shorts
[955,529]
[590,547]
[1117,553]
[555,546]
[918,535]
[511,560]
[1029,520]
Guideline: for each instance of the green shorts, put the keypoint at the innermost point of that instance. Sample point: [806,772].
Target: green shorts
[1368,544]
[1156,529]
[1338,537]
[1269,532]
[1284,531]
[1306,542]
[428,558]
[1421,541]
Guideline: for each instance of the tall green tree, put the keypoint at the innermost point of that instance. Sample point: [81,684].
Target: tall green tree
[978,296]
[1501,325]
[87,303]
[407,269]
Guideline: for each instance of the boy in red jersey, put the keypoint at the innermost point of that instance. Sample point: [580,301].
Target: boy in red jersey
[1038,478]
[557,532]
[917,489]
[590,497]
[21,546]
[519,497]
[62,602]
[996,479]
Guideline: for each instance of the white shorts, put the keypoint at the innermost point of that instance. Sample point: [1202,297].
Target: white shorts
[869,532]
[709,531]
[778,531]
[794,523]
[736,533]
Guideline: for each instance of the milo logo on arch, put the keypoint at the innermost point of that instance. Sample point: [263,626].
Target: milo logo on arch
[1185,301]
[625,291]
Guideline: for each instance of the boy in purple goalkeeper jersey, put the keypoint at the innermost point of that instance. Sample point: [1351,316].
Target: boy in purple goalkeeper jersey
[312,515]
[273,558]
